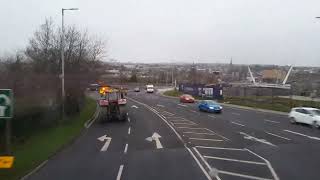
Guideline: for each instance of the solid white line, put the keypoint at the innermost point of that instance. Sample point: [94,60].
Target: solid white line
[128,119]
[275,176]
[182,105]
[34,170]
[120,172]
[267,120]
[160,105]
[180,121]
[189,128]
[200,133]
[232,149]
[249,137]
[201,139]
[235,160]
[184,124]
[125,149]
[310,137]
[243,175]
[217,134]
[212,116]
[129,130]
[238,114]
[199,164]
[277,136]
[169,113]
[201,157]
[95,116]
[237,123]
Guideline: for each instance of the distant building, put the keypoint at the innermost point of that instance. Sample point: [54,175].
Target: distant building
[273,75]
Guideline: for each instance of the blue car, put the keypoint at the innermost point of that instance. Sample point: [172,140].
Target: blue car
[210,106]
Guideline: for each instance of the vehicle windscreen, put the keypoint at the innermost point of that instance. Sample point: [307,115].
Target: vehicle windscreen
[316,112]
[211,102]
[112,96]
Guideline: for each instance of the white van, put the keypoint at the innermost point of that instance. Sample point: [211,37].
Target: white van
[150,88]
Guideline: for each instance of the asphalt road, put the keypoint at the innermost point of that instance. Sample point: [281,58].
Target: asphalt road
[236,144]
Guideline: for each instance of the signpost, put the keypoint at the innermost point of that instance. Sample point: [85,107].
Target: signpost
[6,113]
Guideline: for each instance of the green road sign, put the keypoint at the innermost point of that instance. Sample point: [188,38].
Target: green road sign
[6,103]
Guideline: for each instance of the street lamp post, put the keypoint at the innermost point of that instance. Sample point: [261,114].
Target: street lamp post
[62,57]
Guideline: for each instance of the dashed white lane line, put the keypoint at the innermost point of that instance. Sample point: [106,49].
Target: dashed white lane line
[277,136]
[211,134]
[267,120]
[128,119]
[120,172]
[237,123]
[202,139]
[242,175]
[310,137]
[129,130]
[125,149]
[182,105]
[237,114]
[234,160]
[159,105]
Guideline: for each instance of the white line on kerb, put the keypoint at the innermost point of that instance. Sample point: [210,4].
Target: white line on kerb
[238,114]
[234,160]
[129,130]
[310,137]
[277,136]
[237,123]
[267,120]
[125,149]
[201,139]
[120,172]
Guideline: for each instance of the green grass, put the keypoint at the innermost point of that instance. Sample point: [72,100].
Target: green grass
[44,144]
[173,93]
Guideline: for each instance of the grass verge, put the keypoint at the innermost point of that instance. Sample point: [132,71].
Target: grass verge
[42,145]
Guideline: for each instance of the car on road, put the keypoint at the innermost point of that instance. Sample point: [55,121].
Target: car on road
[210,106]
[136,89]
[186,98]
[305,115]
[150,88]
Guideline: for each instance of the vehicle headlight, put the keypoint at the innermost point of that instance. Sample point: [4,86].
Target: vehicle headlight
[210,107]
[187,98]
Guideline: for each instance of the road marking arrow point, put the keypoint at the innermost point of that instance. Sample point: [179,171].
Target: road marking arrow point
[134,106]
[106,144]
[155,137]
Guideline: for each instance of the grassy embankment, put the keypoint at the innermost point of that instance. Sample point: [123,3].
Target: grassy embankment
[44,144]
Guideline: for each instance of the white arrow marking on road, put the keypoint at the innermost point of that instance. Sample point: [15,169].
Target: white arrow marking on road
[106,145]
[247,136]
[134,106]
[155,137]
[160,105]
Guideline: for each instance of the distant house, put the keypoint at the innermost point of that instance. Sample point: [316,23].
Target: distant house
[273,75]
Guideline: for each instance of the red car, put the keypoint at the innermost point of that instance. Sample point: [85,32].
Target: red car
[186,98]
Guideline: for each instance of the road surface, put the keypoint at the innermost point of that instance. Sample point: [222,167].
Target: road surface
[164,139]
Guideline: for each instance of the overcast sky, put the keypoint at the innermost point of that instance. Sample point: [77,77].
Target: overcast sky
[250,31]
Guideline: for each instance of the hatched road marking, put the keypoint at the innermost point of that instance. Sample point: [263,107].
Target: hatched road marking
[277,136]
[267,120]
[310,137]
[237,123]
[201,139]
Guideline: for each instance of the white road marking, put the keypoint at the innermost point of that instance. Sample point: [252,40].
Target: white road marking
[125,149]
[34,170]
[189,128]
[275,176]
[243,175]
[193,124]
[237,123]
[267,120]
[169,113]
[155,137]
[199,164]
[120,172]
[160,105]
[134,106]
[201,139]
[217,134]
[182,105]
[128,119]
[310,137]
[209,147]
[235,160]
[201,157]
[237,114]
[247,136]
[277,136]
[180,120]
[193,111]
[106,144]
[212,116]
[129,130]
[200,133]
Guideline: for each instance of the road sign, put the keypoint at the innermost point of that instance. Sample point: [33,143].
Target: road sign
[6,161]
[6,103]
